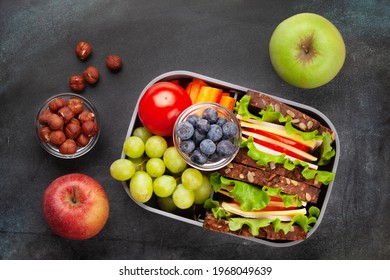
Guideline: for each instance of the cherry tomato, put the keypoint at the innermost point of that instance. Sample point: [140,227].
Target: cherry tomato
[160,106]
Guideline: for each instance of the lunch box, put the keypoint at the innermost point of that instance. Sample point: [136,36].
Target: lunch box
[195,215]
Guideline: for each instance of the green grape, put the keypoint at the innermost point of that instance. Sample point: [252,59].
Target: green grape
[204,192]
[134,147]
[122,169]
[139,163]
[183,197]
[173,161]
[166,204]
[155,146]
[155,167]
[141,186]
[191,178]
[142,132]
[164,185]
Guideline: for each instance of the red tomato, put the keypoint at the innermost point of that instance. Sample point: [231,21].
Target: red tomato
[280,139]
[278,148]
[160,106]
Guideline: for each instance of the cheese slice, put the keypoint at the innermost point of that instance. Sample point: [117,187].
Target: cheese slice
[283,215]
[279,130]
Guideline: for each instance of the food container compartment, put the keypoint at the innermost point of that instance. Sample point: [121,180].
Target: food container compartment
[196,215]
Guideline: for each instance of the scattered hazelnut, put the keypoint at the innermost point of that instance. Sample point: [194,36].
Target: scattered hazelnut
[57,137]
[57,104]
[76,105]
[72,130]
[89,128]
[82,140]
[91,75]
[44,116]
[66,113]
[83,50]
[44,134]
[86,115]
[55,122]
[68,147]
[77,83]
[114,62]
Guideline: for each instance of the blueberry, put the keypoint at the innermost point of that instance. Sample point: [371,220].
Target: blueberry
[215,157]
[203,126]
[215,133]
[225,148]
[198,157]
[187,146]
[229,129]
[207,147]
[221,121]
[193,119]
[198,137]
[211,115]
[185,130]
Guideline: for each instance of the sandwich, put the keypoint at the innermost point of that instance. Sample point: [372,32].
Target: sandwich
[272,188]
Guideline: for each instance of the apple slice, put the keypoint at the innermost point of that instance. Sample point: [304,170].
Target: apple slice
[280,147]
[283,215]
[278,130]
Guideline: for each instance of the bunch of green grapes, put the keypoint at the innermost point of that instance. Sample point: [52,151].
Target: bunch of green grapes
[154,168]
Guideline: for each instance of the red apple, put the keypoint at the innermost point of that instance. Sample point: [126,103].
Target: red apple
[75,206]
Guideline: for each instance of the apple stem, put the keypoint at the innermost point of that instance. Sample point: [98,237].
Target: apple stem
[74,198]
[305,48]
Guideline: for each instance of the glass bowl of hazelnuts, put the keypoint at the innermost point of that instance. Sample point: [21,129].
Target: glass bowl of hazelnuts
[67,125]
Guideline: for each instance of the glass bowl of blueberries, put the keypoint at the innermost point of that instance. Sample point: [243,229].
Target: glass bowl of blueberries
[207,136]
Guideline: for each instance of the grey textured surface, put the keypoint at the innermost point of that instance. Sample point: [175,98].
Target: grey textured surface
[227,40]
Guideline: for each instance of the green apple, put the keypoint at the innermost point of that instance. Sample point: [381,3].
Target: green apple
[307,50]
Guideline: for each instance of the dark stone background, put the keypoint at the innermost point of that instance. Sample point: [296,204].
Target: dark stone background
[226,40]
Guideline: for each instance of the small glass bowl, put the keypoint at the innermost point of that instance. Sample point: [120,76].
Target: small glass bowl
[198,110]
[54,150]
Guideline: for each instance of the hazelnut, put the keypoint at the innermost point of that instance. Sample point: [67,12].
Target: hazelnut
[91,75]
[44,116]
[44,134]
[82,140]
[74,120]
[83,50]
[57,137]
[86,115]
[89,128]
[72,130]
[66,113]
[114,62]
[55,122]
[68,147]
[57,104]
[76,105]
[77,83]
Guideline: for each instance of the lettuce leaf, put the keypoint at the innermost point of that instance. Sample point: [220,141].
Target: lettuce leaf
[305,222]
[263,159]
[327,151]
[251,197]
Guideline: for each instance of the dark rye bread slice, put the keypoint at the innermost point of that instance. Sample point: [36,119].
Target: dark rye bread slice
[294,174]
[260,177]
[300,120]
[268,232]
